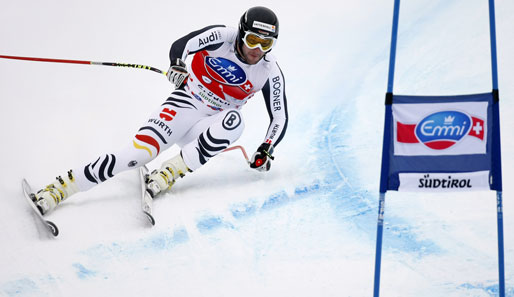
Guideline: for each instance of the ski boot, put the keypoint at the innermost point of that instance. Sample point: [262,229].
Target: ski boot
[162,180]
[49,197]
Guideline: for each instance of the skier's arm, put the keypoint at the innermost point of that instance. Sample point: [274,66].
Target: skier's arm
[208,38]
[276,104]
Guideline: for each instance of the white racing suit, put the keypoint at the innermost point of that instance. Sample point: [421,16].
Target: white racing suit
[202,117]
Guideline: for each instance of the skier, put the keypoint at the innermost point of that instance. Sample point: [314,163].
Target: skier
[202,115]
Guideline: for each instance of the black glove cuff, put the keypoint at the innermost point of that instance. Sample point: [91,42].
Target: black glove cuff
[266,149]
[178,62]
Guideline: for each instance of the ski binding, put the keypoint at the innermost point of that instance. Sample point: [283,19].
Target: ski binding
[31,198]
[146,199]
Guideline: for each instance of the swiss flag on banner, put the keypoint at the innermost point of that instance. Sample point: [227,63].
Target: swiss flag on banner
[477,129]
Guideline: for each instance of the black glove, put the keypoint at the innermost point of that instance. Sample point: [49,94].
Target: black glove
[177,72]
[261,159]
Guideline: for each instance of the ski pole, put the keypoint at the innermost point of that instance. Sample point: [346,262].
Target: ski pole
[138,66]
[235,147]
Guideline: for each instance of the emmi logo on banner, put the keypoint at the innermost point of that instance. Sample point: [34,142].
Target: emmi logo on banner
[443,129]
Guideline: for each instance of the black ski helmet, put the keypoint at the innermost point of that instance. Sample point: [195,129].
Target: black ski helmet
[260,20]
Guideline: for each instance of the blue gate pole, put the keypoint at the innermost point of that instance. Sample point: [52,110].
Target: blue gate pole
[501,267]
[496,162]
[384,174]
[378,252]
[492,27]
[392,54]
[384,177]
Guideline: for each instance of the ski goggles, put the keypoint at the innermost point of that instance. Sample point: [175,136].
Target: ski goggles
[253,40]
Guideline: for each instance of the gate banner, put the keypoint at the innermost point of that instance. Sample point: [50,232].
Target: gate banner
[441,143]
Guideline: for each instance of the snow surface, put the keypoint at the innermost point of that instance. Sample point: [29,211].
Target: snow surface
[307,227]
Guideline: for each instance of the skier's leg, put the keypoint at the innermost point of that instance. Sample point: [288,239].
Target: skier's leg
[222,131]
[165,126]
[204,140]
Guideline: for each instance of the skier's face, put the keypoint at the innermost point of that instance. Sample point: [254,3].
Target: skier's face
[252,56]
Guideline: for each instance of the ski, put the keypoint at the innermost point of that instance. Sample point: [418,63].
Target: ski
[29,195]
[146,199]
